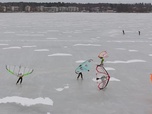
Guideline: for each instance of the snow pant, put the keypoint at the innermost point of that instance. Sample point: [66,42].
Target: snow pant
[80,74]
[19,79]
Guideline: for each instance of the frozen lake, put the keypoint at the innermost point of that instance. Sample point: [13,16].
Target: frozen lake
[54,44]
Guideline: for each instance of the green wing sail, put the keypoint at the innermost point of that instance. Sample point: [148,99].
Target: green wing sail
[16,70]
[10,71]
[28,73]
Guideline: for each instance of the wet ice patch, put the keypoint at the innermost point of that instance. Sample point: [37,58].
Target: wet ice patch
[87,45]
[65,46]
[61,89]
[27,101]
[15,47]
[66,32]
[41,50]
[77,31]
[60,54]
[129,61]
[30,35]
[52,30]
[9,32]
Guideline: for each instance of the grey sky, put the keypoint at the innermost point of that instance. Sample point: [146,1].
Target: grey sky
[83,1]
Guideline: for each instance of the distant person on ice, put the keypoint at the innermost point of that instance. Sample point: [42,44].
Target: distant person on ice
[123,32]
[139,33]
[20,75]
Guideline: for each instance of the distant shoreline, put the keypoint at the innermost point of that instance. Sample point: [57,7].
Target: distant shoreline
[53,7]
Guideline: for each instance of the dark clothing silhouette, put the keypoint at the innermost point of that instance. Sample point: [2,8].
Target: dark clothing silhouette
[139,32]
[80,74]
[123,32]
[19,79]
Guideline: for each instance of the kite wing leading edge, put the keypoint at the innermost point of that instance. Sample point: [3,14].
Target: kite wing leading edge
[103,54]
[85,66]
[102,77]
[29,72]
[16,70]
[9,70]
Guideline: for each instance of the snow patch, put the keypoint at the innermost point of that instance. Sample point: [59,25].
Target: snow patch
[27,101]
[129,61]
[29,46]
[51,38]
[120,48]
[133,50]
[65,87]
[114,79]
[3,44]
[41,50]
[87,45]
[150,54]
[60,54]
[15,47]
[109,68]
[80,61]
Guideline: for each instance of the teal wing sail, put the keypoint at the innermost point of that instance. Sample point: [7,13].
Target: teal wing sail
[85,66]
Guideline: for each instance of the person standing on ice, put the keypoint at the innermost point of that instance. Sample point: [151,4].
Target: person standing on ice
[83,67]
[123,32]
[20,75]
[139,33]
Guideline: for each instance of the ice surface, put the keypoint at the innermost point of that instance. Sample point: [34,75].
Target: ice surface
[54,44]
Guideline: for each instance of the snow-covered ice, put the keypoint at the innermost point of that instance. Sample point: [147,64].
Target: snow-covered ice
[26,101]
[54,44]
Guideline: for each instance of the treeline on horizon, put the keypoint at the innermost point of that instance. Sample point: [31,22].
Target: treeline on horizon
[117,7]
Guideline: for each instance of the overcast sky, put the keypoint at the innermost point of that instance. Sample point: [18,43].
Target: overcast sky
[83,1]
